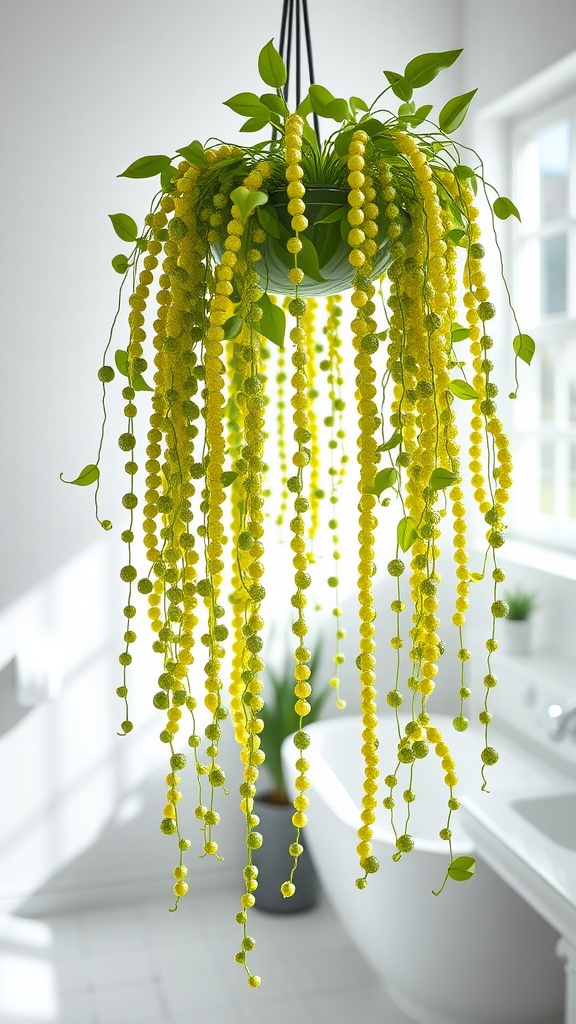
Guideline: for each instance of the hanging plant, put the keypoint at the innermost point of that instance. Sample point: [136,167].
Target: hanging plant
[385,208]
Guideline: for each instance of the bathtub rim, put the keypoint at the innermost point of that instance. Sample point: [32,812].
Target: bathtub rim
[327,786]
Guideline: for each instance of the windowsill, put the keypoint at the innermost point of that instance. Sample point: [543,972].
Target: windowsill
[534,556]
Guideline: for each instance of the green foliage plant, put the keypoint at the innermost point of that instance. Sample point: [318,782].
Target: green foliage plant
[521,603]
[244,247]
[280,719]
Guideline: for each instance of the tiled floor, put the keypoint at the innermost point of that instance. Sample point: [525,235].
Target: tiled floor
[142,965]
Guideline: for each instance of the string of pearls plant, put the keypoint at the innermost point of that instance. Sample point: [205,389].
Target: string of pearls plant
[385,208]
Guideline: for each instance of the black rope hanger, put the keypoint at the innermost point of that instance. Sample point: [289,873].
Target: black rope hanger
[294,20]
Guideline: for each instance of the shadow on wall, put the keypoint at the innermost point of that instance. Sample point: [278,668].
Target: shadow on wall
[80,820]
[58,727]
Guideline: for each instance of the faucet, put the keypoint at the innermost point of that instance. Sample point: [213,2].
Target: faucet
[563,719]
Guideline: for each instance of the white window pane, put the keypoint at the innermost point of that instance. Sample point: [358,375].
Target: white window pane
[547,384]
[547,475]
[554,159]
[527,283]
[528,186]
[554,254]
[571,380]
[572,486]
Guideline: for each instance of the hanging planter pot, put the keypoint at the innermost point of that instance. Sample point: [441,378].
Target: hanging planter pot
[324,258]
[325,254]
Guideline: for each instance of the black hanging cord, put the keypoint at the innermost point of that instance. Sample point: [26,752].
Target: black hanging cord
[294,16]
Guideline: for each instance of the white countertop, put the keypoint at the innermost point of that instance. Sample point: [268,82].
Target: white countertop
[542,871]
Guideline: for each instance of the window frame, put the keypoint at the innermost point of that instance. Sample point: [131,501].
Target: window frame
[554,332]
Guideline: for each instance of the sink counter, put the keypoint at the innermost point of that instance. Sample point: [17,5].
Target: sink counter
[540,870]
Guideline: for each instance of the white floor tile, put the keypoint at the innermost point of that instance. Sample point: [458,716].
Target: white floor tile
[143,965]
[130,1003]
[75,1008]
[127,968]
[353,1004]
[70,972]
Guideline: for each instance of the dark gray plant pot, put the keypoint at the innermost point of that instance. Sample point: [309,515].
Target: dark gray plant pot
[274,863]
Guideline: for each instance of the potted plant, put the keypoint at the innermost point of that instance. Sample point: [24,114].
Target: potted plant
[274,807]
[518,625]
[386,207]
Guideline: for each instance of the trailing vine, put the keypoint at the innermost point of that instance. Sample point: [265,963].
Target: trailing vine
[230,228]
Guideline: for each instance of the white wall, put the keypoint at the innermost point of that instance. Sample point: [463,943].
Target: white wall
[508,42]
[86,88]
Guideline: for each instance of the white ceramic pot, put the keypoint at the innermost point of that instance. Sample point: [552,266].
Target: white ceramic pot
[517,636]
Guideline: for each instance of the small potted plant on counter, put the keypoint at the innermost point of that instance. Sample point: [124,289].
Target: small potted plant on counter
[274,807]
[518,625]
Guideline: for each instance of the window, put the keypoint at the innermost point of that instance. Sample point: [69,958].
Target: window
[544,288]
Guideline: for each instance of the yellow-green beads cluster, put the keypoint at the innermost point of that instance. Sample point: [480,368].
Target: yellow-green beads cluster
[361,218]
[204,511]
[301,458]
[332,366]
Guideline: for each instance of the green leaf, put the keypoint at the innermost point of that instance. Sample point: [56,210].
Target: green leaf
[504,208]
[401,87]
[228,478]
[442,478]
[334,217]
[356,104]
[166,176]
[308,260]
[462,389]
[383,480]
[124,226]
[420,115]
[89,475]
[459,333]
[392,442]
[343,140]
[456,213]
[462,172]
[305,107]
[461,869]
[406,533]
[454,112]
[524,347]
[320,99]
[121,360]
[338,110]
[248,104]
[457,236]
[120,263]
[247,201]
[256,124]
[309,134]
[269,222]
[272,324]
[325,104]
[232,327]
[194,154]
[146,167]
[372,126]
[275,103]
[271,67]
[422,69]
[139,384]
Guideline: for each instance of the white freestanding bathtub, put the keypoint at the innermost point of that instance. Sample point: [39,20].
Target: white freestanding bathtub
[476,954]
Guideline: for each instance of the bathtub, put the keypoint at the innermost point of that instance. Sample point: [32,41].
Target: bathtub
[476,954]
